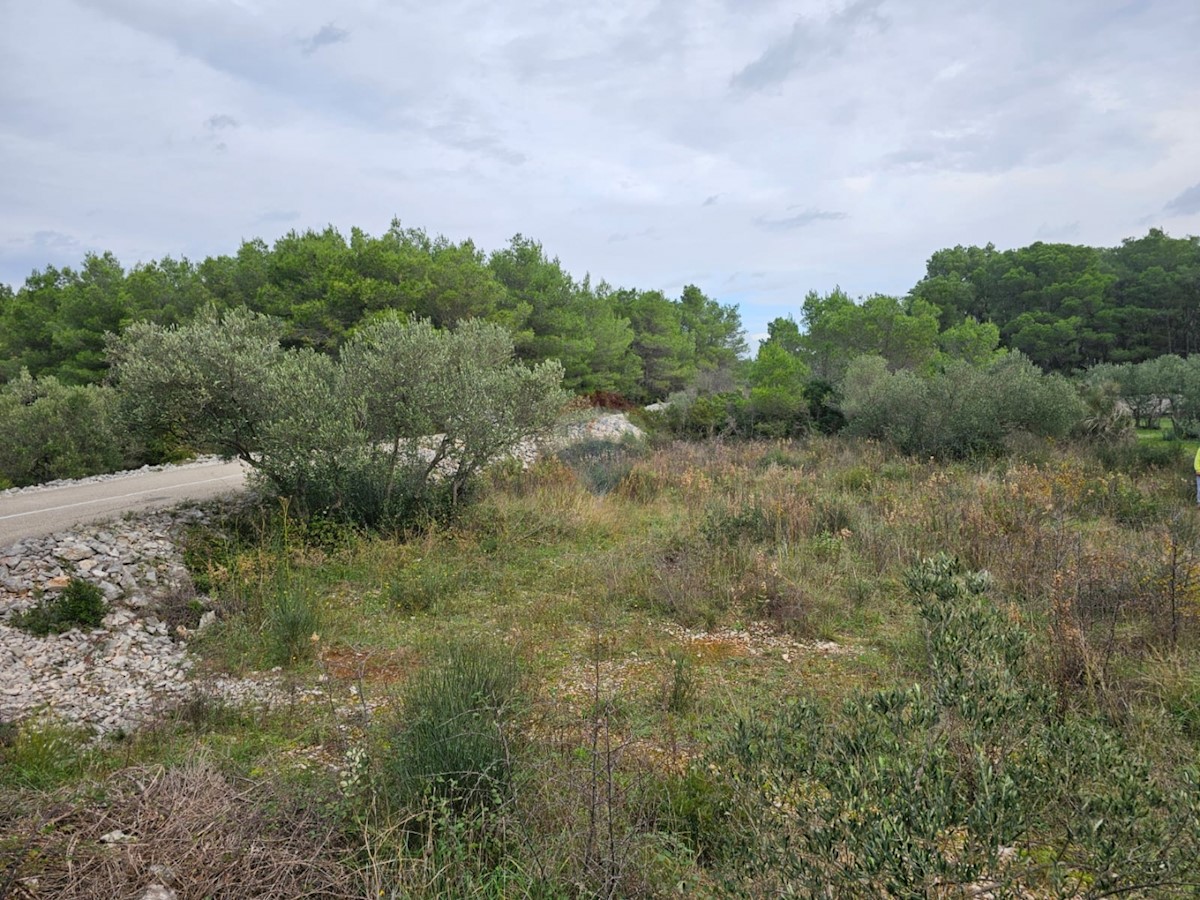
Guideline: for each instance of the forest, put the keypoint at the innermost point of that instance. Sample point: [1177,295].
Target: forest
[1063,306]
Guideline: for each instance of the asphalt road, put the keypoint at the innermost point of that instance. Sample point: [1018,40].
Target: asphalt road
[37,513]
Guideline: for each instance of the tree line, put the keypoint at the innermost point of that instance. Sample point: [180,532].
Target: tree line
[321,286]
[951,369]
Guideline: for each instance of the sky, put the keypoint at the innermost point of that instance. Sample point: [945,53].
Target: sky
[755,148]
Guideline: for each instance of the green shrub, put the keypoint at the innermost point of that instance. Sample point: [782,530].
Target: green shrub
[725,524]
[341,438]
[80,605]
[903,792]
[1135,456]
[780,456]
[698,808]
[418,587]
[961,411]
[452,739]
[52,430]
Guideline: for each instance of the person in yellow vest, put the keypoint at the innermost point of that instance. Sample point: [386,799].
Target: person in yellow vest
[1196,466]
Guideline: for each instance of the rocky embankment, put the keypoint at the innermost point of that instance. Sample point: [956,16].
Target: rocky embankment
[132,668]
[112,677]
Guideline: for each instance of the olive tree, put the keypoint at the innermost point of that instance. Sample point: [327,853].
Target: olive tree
[53,430]
[446,402]
[960,411]
[206,384]
[346,437]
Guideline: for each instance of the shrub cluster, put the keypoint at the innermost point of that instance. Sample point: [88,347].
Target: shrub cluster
[959,412]
[912,792]
[52,430]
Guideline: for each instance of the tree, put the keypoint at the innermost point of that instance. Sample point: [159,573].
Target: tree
[52,430]
[1146,388]
[960,411]
[778,401]
[312,428]
[971,341]
[667,354]
[715,330]
[786,333]
[461,391]
[904,333]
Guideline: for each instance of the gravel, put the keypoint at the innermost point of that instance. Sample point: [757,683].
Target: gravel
[130,670]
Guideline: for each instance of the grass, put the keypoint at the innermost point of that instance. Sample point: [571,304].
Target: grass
[1165,434]
[653,601]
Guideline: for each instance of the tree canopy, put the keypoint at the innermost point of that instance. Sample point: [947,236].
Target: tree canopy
[321,286]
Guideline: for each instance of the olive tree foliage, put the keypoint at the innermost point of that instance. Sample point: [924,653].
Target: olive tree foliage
[1185,410]
[1147,389]
[342,438]
[206,385]
[446,402]
[960,411]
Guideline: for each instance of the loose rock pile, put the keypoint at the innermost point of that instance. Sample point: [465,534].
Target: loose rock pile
[128,671]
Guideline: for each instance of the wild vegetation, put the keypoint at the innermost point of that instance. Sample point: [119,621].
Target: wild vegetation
[896,608]
[706,669]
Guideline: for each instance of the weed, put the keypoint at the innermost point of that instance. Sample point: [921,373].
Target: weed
[452,738]
[43,757]
[420,586]
[293,625]
[80,605]
[679,688]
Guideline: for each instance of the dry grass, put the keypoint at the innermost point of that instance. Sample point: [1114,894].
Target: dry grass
[190,829]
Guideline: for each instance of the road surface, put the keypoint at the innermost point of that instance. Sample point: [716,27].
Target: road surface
[38,513]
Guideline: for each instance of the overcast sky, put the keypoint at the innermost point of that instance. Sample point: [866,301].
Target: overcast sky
[758,149]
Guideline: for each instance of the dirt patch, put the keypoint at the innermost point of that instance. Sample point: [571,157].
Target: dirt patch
[375,666]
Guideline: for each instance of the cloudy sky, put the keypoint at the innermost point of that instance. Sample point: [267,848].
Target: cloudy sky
[756,148]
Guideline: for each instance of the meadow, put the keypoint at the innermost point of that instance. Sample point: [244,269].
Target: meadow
[806,668]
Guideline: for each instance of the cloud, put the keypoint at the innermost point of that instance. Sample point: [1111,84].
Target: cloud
[277,217]
[1064,232]
[259,52]
[482,144]
[20,256]
[219,121]
[327,36]
[711,200]
[1187,203]
[807,217]
[808,42]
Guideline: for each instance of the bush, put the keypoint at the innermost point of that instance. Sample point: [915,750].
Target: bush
[600,464]
[344,439]
[1136,456]
[961,411]
[451,740]
[903,792]
[52,430]
[80,605]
